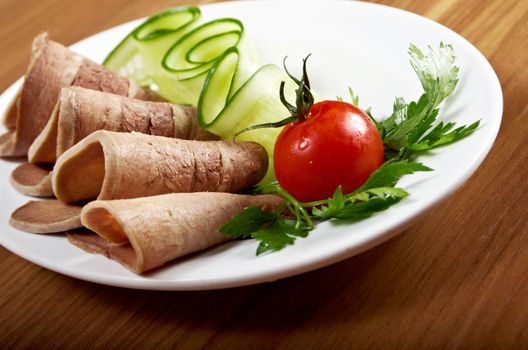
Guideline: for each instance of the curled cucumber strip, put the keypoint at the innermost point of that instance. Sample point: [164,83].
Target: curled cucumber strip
[225,112]
[210,65]
[137,55]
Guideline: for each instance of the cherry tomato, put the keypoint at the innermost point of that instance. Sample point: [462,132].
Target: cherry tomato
[338,144]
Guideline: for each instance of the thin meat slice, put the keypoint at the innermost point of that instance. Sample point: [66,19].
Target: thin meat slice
[145,233]
[81,111]
[48,216]
[7,141]
[111,165]
[53,66]
[32,180]
[91,242]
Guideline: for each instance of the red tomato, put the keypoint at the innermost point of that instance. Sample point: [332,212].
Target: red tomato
[338,144]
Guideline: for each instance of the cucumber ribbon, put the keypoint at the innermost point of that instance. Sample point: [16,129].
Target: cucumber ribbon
[210,65]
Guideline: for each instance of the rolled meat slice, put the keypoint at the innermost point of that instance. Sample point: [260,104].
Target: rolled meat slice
[112,165]
[145,233]
[53,66]
[80,112]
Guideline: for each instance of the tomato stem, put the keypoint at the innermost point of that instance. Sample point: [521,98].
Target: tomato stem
[304,98]
[303,101]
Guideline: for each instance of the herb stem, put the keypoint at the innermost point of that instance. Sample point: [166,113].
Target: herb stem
[298,207]
[313,204]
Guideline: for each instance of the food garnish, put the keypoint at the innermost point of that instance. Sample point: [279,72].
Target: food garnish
[411,129]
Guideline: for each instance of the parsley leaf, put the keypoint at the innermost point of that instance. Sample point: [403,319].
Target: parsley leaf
[281,233]
[334,205]
[273,231]
[379,126]
[404,130]
[390,172]
[359,205]
[374,201]
[436,71]
[378,190]
[247,221]
[441,136]
[354,99]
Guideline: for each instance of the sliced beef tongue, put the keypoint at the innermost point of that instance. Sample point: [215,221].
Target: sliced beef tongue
[52,67]
[145,233]
[112,165]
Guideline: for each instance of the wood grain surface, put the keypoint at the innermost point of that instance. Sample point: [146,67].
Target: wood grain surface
[458,279]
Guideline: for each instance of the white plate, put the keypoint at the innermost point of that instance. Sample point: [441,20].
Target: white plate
[352,44]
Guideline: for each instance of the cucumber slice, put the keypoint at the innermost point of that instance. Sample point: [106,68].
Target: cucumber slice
[188,61]
[147,43]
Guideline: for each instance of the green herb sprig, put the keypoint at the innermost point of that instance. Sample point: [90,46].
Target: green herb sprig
[295,219]
[409,130]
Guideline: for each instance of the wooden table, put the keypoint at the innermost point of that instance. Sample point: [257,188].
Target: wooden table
[459,279]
